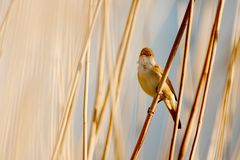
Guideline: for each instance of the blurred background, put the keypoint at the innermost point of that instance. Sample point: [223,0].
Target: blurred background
[42,43]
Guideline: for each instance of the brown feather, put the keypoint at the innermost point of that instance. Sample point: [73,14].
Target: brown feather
[147,52]
[160,70]
[171,87]
[173,114]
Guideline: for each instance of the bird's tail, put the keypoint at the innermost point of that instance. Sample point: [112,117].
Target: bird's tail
[173,112]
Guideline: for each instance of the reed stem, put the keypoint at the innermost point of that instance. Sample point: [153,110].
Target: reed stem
[205,70]
[182,82]
[69,106]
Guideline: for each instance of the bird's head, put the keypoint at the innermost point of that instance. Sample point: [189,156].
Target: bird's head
[146,57]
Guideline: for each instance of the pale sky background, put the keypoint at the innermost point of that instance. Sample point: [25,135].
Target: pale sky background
[40,47]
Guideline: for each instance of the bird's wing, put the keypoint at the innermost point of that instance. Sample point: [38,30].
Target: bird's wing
[171,87]
[158,69]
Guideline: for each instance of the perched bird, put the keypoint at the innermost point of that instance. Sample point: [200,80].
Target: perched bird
[149,76]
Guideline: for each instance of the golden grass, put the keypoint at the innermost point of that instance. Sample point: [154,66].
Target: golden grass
[69,106]
[224,111]
[85,101]
[118,144]
[116,76]
[120,77]
[119,60]
[66,119]
[100,75]
[235,91]
[109,134]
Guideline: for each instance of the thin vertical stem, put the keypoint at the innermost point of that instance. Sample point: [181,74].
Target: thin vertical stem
[117,137]
[211,49]
[113,77]
[69,104]
[223,117]
[85,108]
[193,111]
[119,80]
[112,80]
[109,133]
[201,111]
[66,118]
[89,34]
[85,101]
[235,68]
[98,93]
[182,82]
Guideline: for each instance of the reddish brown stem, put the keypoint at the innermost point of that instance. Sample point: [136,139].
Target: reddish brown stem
[206,69]
[152,108]
[182,82]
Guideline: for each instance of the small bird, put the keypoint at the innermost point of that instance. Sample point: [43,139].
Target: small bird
[149,76]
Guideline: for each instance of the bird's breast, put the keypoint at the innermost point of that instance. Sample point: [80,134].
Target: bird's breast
[148,80]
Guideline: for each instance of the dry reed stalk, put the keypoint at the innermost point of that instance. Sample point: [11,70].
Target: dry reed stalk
[99,84]
[112,80]
[85,101]
[236,85]
[152,107]
[224,111]
[182,82]
[119,81]
[218,128]
[67,115]
[215,140]
[85,104]
[233,67]
[233,105]
[206,69]
[117,65]
[89,34]
[117,137]
[193,111]
[236,153]
[69,107]
[202,109]
[109,133]
[221,133]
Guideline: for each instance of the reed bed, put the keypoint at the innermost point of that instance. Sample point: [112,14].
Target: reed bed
[206,73]
[72,91]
